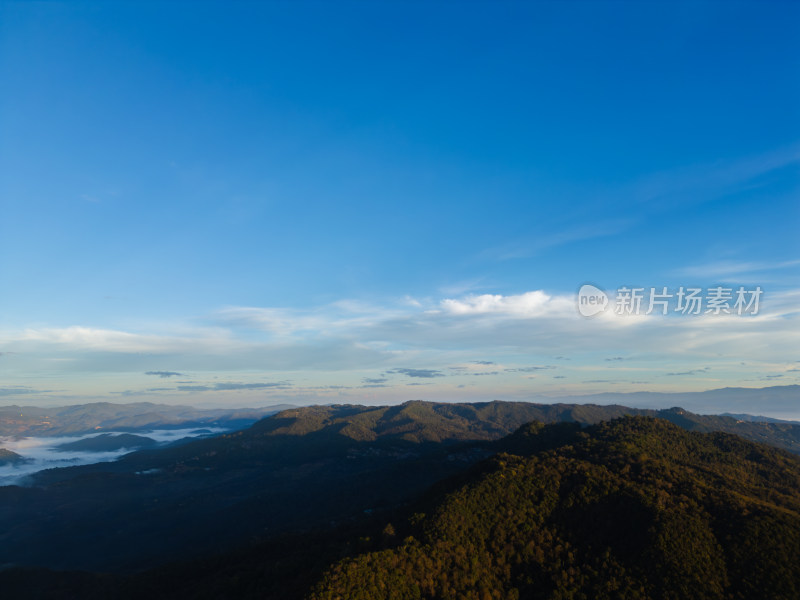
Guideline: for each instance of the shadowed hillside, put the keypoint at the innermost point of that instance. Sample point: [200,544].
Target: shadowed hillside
[7,457]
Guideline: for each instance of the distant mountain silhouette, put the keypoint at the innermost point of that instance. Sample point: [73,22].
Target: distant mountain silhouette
[107,416]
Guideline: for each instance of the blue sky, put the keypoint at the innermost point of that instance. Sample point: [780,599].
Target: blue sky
[371,202]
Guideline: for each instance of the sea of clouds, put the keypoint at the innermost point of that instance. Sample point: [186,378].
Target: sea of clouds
[42,453]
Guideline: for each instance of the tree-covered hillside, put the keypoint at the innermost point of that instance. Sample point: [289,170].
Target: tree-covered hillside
[635,508]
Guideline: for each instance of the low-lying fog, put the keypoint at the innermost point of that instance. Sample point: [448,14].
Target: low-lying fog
[43,453]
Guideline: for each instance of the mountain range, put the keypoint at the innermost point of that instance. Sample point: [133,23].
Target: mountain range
[267,478]
[251,501]
[107,416]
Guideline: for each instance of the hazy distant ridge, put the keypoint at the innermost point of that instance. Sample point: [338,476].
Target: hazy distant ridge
[106,416]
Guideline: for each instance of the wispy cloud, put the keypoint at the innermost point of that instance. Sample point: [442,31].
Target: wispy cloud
[703,182]
[21,391]
[164,374]
[226,387]
[605,211]
[526,248]
[420,373]
[685,373]
[730,268]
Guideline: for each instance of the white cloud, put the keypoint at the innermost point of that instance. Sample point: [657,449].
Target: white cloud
[328,344]
[109,340]
[532,322]
[529,304]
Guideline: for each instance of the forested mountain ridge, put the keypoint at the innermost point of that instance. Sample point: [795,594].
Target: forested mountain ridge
[419,422]
[634,508]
